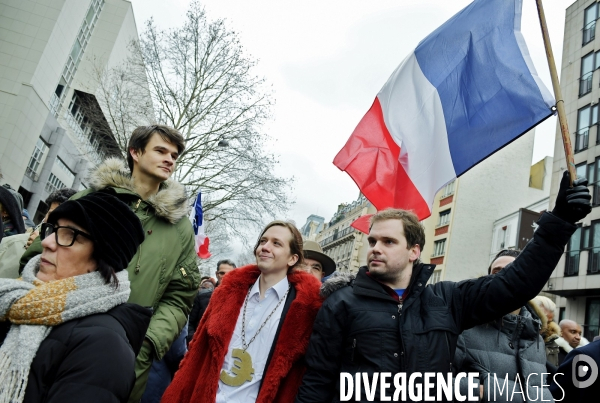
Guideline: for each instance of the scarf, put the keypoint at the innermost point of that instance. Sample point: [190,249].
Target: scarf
[33,307]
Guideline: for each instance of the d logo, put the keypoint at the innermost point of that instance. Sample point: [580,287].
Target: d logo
[581,371]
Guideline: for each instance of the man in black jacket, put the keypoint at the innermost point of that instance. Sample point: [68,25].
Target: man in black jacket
[389,320]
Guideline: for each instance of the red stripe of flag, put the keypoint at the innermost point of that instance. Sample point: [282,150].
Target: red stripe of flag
[370,157]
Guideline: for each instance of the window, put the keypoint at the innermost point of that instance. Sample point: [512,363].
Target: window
[589,23]
[82,39]
[36,159]
[63,167]
[587,73]
[591,241]
[592,173]
[444,218]
[435,277]
[583,128]
[573,252]
[54,184]
[438,247]
[448,189]
[592,318]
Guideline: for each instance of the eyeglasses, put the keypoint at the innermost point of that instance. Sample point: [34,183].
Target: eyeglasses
[65,236]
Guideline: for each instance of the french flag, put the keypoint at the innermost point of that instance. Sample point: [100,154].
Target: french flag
[197,219]
[467,90]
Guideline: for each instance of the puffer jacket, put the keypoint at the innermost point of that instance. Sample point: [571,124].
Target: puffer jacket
[510,346]
[89,359]
[163,273]
[362,328]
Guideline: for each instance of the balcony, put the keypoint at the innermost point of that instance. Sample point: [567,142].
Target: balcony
[589,33]
[581,140]
[585,83]
[337,235]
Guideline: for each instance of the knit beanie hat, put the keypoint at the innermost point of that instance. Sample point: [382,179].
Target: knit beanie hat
[115,229]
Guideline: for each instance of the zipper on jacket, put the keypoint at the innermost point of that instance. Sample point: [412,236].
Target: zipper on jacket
[183,272]
[400,307]
[137,204]
[353,348]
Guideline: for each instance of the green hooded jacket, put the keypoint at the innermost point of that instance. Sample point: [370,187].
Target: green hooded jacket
[163,273]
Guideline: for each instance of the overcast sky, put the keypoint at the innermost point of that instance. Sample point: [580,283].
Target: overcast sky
[327,60]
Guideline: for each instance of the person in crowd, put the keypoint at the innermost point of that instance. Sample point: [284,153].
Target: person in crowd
[12,220]
[550,332]
[67,333]
[224,267]
[13,234]
[577,379]
[511,345]
[251,342]
[571,336]
[389,320]
[207,284]
[11,251]
[53,200]
[203,298]
[23,212]
[163,274]
[316,262]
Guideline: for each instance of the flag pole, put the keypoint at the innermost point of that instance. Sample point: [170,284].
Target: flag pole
[560,104]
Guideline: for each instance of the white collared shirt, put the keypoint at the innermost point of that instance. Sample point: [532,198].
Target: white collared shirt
[256,313]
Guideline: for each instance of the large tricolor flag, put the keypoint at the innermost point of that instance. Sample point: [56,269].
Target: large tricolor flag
[466,91]
[197,219]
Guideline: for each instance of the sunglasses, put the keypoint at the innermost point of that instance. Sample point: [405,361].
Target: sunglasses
[65,236]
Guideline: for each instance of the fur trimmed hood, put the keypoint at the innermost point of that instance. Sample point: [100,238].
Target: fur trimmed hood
[169,203]
[336,282]
[562,343]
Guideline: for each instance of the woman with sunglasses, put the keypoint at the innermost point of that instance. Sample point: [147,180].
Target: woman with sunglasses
[67,333]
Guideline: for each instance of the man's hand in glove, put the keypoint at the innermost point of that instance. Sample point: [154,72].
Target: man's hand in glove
[572,203]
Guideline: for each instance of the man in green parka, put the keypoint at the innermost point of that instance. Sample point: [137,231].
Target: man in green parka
[163,272]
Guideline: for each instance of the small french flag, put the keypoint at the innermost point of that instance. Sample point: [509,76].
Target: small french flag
[197,219]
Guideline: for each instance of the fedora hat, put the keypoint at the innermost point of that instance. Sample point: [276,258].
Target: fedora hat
[312,250]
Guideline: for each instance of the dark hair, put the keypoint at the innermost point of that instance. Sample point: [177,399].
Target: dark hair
[413,230]
[108,273]
[142,134]
[204,278]
[60,196]
[296,244]
[504,252]
[225,261]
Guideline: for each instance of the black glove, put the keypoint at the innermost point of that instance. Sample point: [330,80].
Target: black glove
[572,203]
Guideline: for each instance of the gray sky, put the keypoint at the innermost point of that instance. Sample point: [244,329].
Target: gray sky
[327,60]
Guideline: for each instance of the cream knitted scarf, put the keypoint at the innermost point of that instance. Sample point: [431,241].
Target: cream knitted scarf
[33,307]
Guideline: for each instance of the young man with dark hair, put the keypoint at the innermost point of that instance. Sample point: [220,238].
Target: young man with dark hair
[389,320]
[163,272]
[250,344]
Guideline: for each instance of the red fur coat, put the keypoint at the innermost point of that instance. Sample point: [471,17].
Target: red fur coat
[197,378]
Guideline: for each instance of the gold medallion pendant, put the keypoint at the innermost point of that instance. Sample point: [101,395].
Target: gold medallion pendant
[242,369]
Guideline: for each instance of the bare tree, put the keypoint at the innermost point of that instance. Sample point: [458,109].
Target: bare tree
[197,78]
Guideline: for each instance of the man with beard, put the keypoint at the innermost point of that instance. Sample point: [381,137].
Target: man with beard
[388,320]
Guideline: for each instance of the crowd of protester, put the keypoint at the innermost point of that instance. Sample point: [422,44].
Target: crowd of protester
[103,302]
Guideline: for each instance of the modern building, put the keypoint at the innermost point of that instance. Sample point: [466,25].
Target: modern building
[576,279]
[460,233]
[48,52]
[340,241]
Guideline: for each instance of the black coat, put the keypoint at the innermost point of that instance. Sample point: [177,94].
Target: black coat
[362,328]
[566,374]
[200,304]
[90,359]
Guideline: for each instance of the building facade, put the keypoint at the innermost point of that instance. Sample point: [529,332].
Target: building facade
[312,227]
[49,50]
[460,231]
[576,279]
[343,243]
